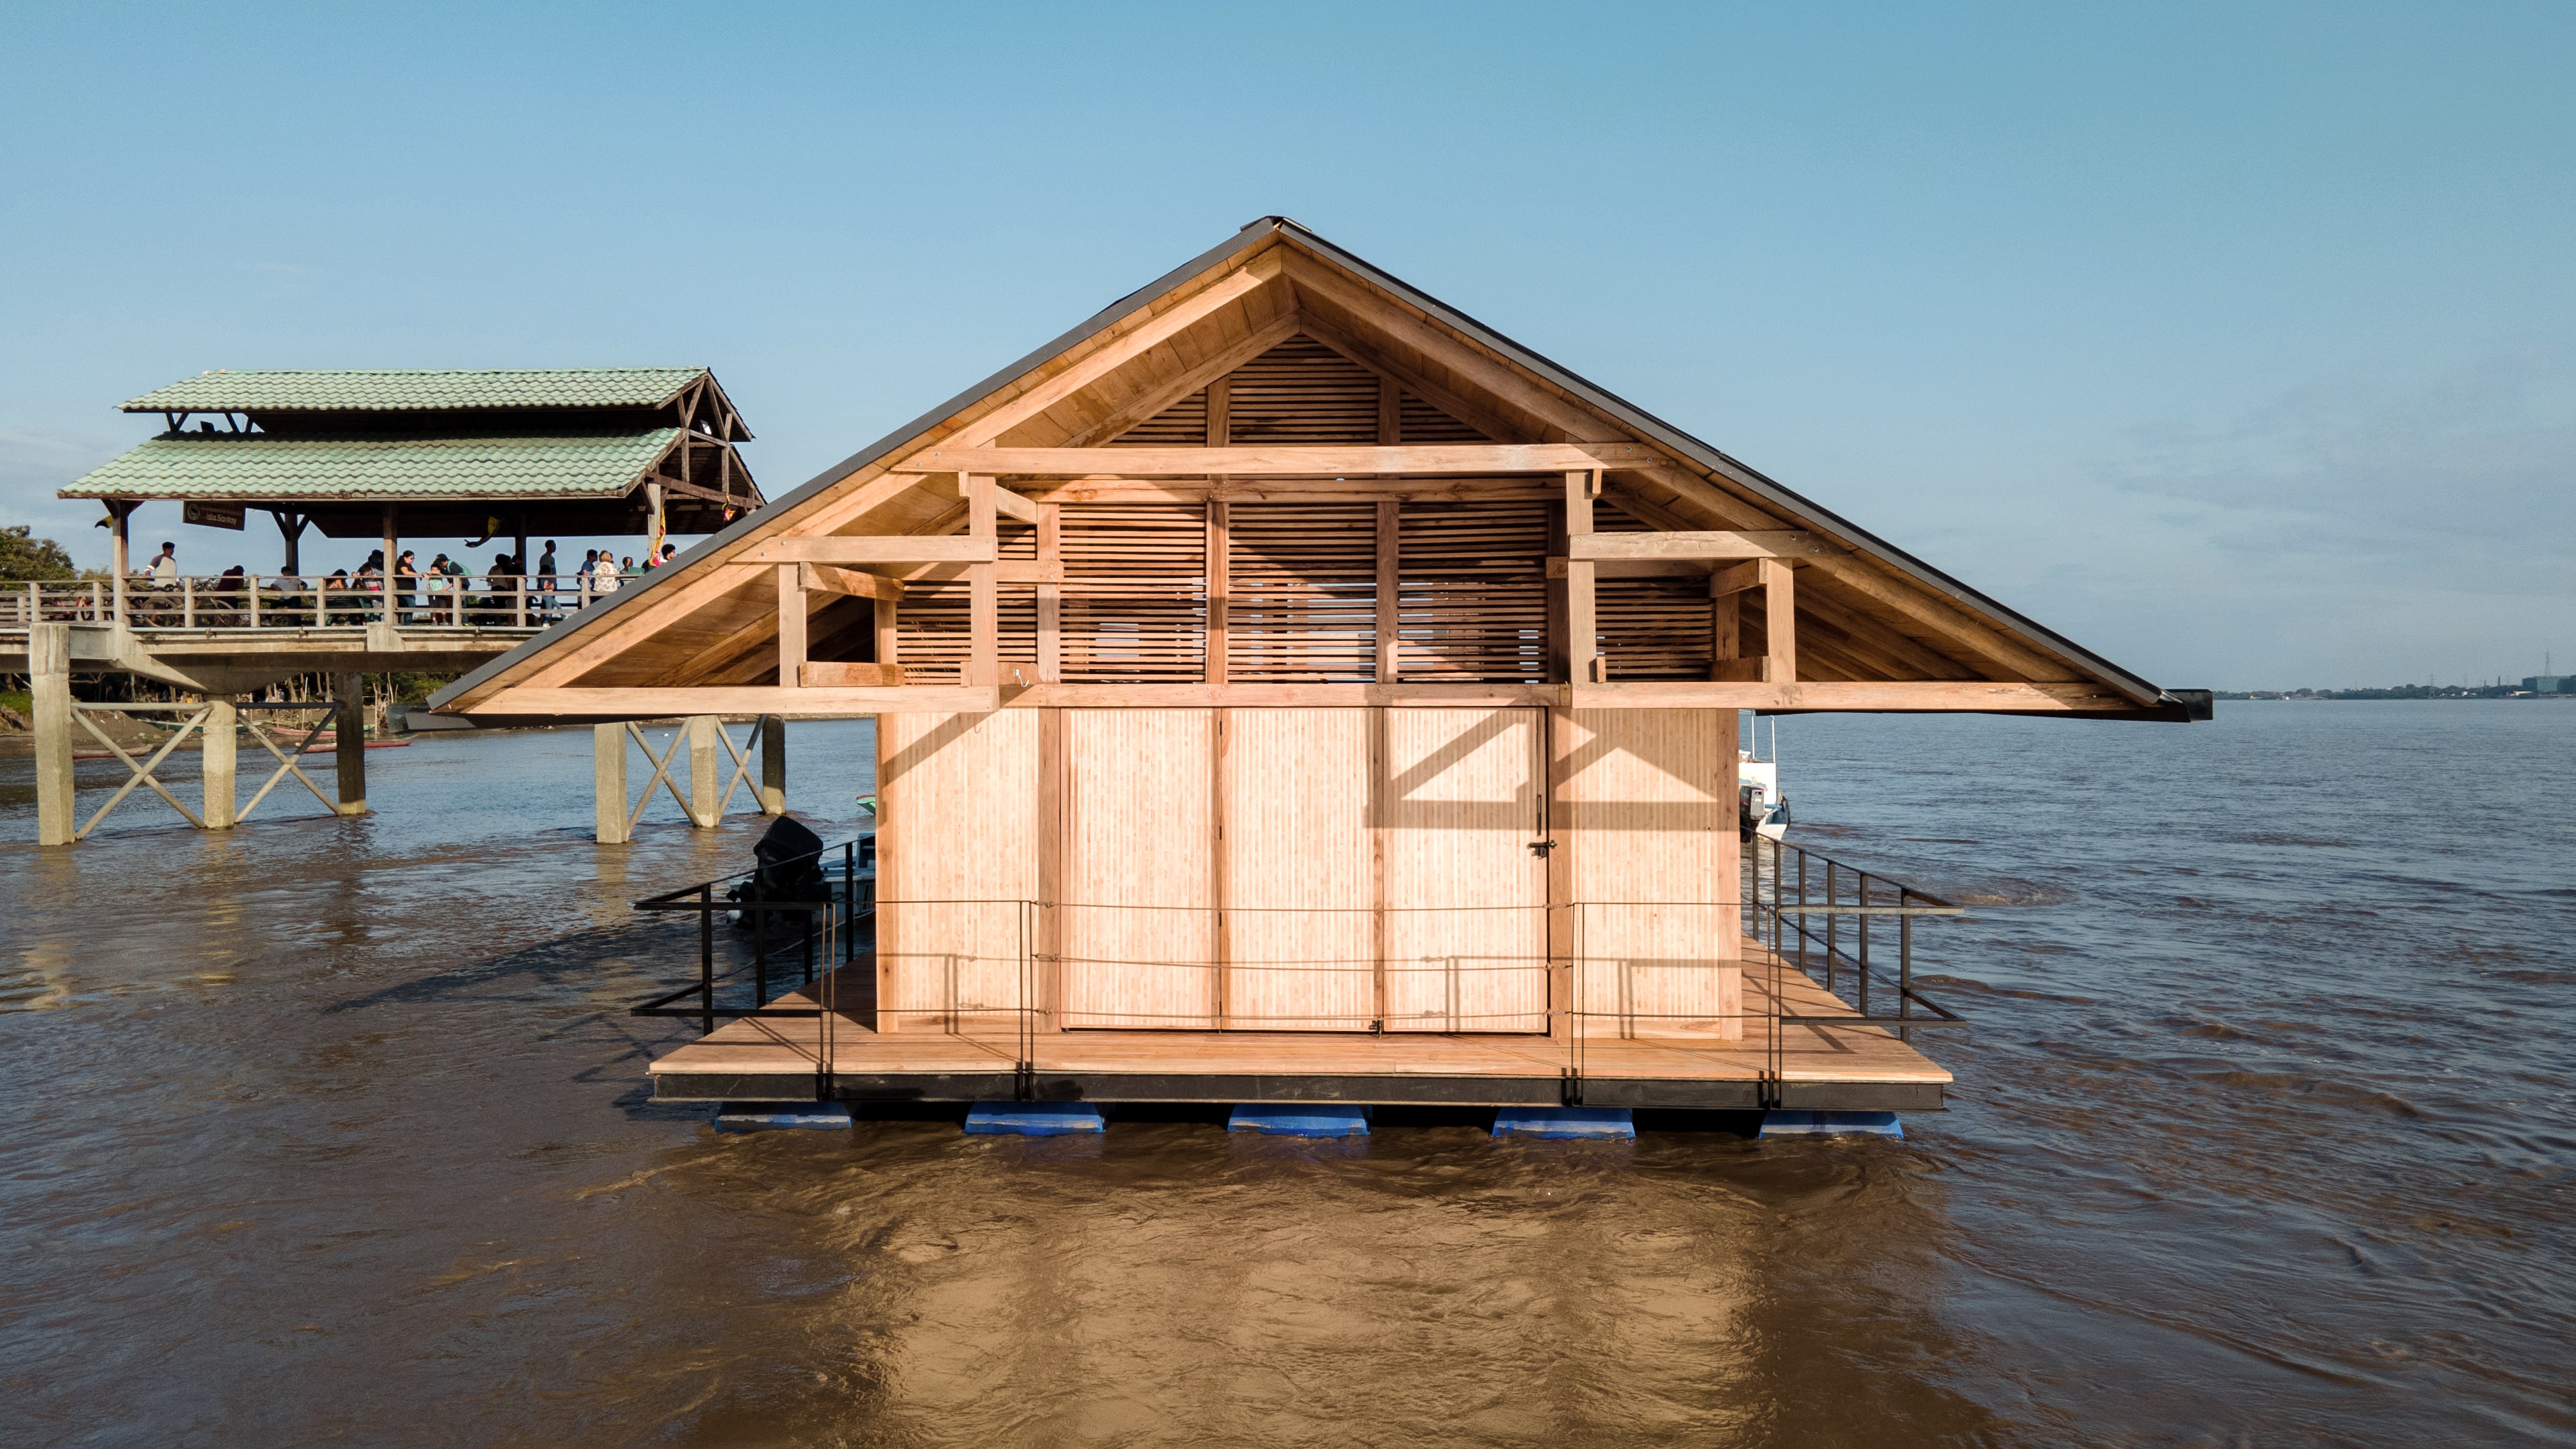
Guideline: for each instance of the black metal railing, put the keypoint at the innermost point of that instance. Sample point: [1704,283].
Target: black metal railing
[825,933]
[1782,907]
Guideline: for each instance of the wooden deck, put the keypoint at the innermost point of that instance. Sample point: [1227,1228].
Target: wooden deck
[1858,1068]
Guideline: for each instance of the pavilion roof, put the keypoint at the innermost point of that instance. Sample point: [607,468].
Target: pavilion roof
[259,468]
[418,390]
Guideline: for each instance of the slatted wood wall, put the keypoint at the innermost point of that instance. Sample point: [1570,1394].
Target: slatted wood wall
[932,635]
[1655,628]
[1647,809]
[1473,606]
[1301,391]
[1301,592]
[1135,593]
[957,805]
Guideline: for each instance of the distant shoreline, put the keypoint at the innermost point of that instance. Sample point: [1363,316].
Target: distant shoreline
[2419,691]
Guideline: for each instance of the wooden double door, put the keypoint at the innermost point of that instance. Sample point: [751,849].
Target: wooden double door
[1303,870]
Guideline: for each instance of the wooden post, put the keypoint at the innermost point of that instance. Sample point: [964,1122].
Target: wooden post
[887,620]
[118,511]
[1557,807]
[219,760]
[392,615]
[1390,523]
[294,536]
[49,676]
[791,627]
[1051,861]
[349,734]
[983,585]
[1219,584]
[773,765]
[1780,621]
[703,784]
[1726,589]
[1582,631]
[608,783]
[1050,593]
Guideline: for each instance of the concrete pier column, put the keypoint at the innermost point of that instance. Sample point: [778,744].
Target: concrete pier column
[773,765]
[221,715]
[703,783]
[349,732]
[49,675]
[608,783]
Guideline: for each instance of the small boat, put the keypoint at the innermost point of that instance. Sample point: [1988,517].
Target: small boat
[1761,807]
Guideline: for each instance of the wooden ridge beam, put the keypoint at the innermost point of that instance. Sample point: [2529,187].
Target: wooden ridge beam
[1290,460]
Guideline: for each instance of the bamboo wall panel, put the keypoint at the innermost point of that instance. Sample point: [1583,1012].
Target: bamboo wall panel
[957,803]
[1473,603]
[1300,941]
[1138,920]
[1459,807]
[1646,801]
[1135,593]
[1301,592]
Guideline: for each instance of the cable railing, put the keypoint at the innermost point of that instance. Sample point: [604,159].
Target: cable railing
[1583,973]
[229,602]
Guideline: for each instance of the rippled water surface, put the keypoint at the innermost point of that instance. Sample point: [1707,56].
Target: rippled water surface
[336,1131]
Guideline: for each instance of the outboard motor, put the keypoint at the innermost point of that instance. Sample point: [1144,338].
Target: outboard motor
[790,868]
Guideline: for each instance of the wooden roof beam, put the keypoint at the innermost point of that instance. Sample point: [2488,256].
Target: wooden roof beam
[1283,460]
[1768,543]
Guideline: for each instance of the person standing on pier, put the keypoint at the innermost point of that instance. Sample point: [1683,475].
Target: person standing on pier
[545,581]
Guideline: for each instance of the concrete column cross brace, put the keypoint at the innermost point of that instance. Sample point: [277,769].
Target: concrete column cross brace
[662,775]
[142,772]
[752,743]
[287,764]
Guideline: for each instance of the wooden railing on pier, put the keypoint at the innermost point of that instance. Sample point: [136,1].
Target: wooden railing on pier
[267,602]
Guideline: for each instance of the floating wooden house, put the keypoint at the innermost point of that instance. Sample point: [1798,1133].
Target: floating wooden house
[1289,687]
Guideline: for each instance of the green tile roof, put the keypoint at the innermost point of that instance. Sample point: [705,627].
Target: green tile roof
[416,391]
[255,466]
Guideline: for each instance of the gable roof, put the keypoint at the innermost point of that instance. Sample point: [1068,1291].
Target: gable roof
[418,390]
[1702,487]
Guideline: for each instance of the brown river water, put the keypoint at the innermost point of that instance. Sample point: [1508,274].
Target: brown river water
[328,1131]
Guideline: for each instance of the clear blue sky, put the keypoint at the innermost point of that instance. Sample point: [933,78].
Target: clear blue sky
[2238,342]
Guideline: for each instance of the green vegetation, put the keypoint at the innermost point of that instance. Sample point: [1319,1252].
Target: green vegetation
[25,559]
